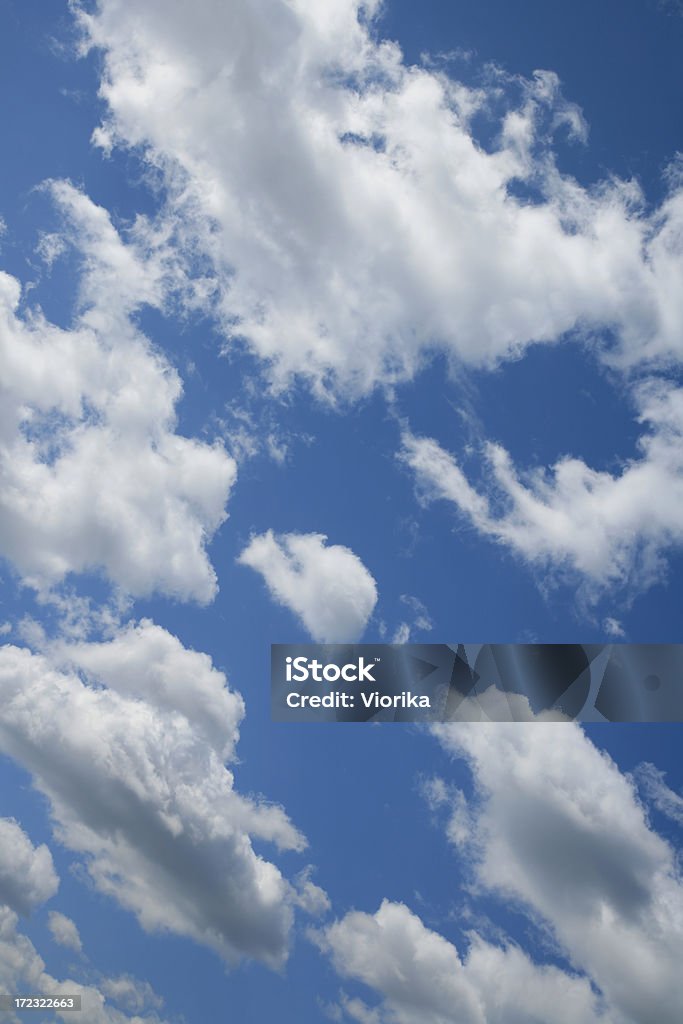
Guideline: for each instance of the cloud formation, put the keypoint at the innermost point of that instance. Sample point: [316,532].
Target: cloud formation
[389,231]
[652,782]
[27,872]
[422,979]
[22,969]
[558,830]
[611,530]
[137,786]
[64,931]
[94,475]
[325,585]
[352,219]
[144,661]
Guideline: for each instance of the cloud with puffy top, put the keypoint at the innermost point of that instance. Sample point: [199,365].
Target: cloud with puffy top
[389,229]
[94,476]
[556,831]
[127,740]
[325,585]
[422,978]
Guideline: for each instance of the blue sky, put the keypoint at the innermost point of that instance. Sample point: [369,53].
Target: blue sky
[335,321]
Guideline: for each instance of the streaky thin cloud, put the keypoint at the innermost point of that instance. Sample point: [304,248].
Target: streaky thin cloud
[652,782]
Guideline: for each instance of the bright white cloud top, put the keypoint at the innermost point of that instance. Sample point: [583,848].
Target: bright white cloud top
[422,979]
[303,250]
[140,791]
[554,829]
[325,585]
[94,475]
[353,222]
[560,830]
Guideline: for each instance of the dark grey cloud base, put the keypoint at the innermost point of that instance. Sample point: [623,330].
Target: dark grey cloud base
[477,682]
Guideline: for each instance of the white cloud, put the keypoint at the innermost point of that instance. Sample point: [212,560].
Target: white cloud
[651,781]
[401,634]
[351,218]
[422,979]
[387,232]
[27,873]
[309,896]
[460,824]
[558,830]
[137,785]
[64,931]
[133,995]
[326,586]
[145,661]
[611,530]
[421,620]
[22,969]
[94,476]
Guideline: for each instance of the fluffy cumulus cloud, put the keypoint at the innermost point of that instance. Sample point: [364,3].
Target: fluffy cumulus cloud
[559,831]
[94,475]
[350,223]
[611,530]
[27,873]
[422,978]
[146,662]
[325,585]
[556,831]
[351,218]
[135,776]
[64,931]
